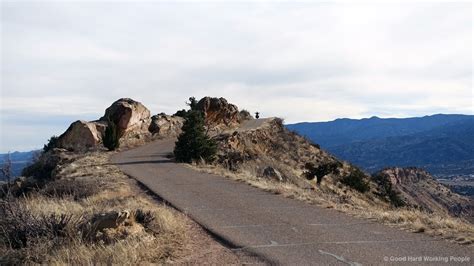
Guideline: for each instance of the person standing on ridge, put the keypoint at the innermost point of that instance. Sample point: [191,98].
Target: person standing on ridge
[257,115]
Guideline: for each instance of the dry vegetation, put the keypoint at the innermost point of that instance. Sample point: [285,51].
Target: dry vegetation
[346,200]
[57,223]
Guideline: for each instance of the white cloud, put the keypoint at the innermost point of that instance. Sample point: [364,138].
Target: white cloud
[301,61]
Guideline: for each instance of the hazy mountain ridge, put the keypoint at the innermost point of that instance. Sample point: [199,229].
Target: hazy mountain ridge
[345,130]
[442,144]
[19,161]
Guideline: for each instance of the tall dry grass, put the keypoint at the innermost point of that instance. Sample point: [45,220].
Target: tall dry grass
[49,225]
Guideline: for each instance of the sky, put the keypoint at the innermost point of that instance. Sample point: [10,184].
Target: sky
[65,61]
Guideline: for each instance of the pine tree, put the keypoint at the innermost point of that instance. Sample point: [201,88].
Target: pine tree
[52,143]
[193,143]
[111,138]
[192,103]
[192,107]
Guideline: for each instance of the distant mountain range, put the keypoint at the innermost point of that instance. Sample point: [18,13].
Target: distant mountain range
[442,144]
[19,161]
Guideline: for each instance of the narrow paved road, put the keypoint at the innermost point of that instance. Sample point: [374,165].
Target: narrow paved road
[280,230]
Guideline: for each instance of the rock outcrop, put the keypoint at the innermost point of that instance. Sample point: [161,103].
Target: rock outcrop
[418,188]
[165,125]
[219,113]
[136,126]
[82,135]
[409,175]
[131,117]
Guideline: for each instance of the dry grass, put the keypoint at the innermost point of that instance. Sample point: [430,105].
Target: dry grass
[89,186]
[340,198]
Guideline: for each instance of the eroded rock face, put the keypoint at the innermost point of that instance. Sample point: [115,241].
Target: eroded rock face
[165,125]
[217,111]
[128,115]
[82,135]
[409,175]
[418,188]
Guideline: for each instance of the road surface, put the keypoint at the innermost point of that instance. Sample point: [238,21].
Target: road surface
[277,229]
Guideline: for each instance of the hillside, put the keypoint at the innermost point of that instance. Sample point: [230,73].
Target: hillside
[417,188]
[442,144]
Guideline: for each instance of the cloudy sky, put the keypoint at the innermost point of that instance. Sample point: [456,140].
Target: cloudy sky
[301,61]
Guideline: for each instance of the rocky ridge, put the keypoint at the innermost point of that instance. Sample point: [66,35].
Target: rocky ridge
[265,148]
[417,188]
[217,111]
[136,126]
[134,122]
[221,115]
[271,151]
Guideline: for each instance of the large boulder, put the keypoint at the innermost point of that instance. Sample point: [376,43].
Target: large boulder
[163,125]
[130,116]
[218,112]
[82,135]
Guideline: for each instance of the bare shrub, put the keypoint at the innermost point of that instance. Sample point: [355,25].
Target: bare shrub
[21,229]
[357,180]
[321,171]
[143,217]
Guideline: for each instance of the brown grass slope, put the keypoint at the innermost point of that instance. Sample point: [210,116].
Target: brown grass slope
[63,219]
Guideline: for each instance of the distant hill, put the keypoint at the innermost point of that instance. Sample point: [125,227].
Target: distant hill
[442,144]
[19,161]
